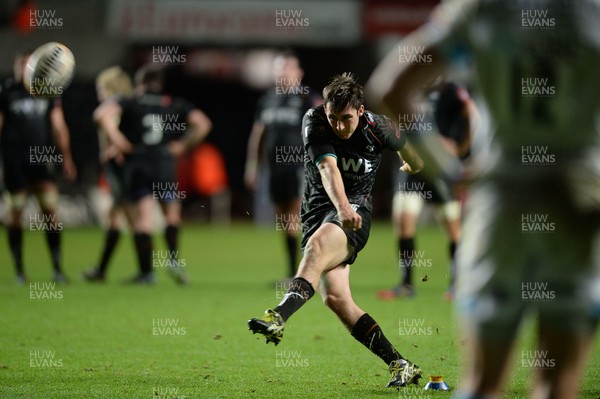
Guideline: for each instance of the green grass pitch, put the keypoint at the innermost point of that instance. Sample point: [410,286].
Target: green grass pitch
[164,341]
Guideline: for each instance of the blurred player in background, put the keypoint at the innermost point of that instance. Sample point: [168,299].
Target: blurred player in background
[30,130]
[112,84]
[537,68]
[343,149]
[455,117]
[277,132]
[154,130]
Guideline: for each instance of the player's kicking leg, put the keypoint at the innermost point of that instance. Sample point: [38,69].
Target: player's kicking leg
[325,249]
[335,290]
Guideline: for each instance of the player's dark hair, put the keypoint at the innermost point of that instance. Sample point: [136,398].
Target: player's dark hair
[150,75]
[342,91]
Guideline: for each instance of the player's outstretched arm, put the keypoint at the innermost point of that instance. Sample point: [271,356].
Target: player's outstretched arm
[334,186]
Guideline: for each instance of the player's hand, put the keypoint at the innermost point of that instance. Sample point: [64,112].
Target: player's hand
[412,161]
[349,218]
[411,170]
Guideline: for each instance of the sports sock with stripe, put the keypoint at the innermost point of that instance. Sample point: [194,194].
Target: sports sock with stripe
[367,332]
[298,294]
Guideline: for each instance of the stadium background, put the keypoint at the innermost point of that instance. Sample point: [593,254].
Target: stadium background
[226,48]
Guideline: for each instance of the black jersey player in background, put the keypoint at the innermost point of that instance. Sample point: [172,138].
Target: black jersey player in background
[343,149]
[31,130]
[112,84]
[455,115]
[154,130]
[277,130]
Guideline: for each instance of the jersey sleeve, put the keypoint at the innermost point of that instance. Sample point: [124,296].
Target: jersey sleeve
[386,131]
[314,136]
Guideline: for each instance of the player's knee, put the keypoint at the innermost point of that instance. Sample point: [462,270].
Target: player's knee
[48,200]
[17,202]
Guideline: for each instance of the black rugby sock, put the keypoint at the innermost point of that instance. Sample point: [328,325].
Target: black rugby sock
[406,249]
[143,247]
[171,237]
[53,240]
[292,250]
[298,294]
[110,242]
[15,243]
[367,332]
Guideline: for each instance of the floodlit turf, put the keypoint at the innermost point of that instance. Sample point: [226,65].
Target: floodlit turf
[115,341]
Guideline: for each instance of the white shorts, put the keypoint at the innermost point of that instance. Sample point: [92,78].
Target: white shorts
[526,249]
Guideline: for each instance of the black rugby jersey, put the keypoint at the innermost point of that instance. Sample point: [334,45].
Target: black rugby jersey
[26,118]
[358,157]
[282,115]
[153,119]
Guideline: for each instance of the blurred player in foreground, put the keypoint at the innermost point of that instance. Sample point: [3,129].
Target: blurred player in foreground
[31,129]
[455,117]
[277,129]
[154,130]
[530,242]
[112,84]
[343,144]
